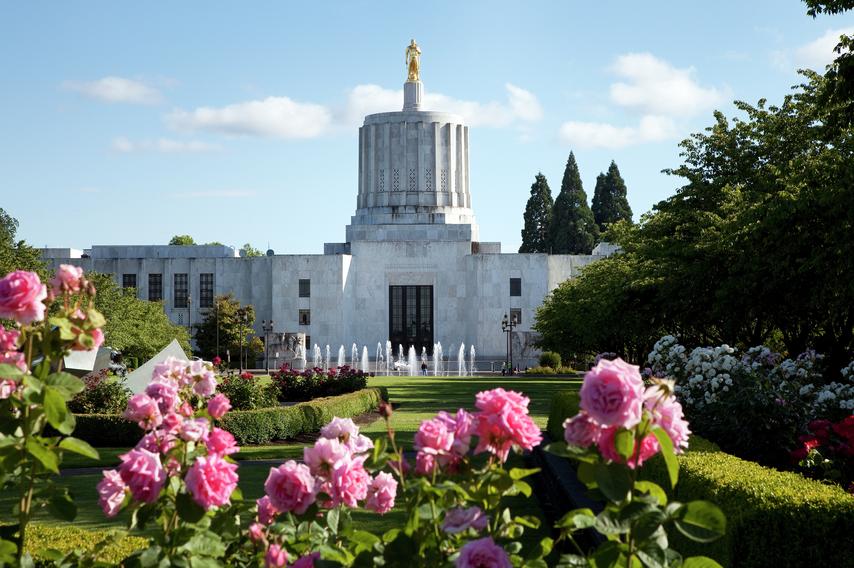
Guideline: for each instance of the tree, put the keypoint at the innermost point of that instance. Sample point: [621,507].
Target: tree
[234,322]
[609,199]
[538,213]
[182,240]
[572,229]
[248,250]
[138,328]
[17,255]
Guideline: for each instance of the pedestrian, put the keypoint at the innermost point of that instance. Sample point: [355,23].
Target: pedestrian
[424,368]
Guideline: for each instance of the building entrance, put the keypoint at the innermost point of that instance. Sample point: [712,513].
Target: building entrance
[410,317]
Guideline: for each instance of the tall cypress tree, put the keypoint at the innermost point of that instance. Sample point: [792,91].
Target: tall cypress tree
[572,229]
[538,214]
[609,199]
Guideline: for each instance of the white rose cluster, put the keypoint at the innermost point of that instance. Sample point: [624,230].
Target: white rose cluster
[835,396]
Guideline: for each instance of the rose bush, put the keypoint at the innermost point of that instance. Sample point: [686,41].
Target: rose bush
[295,386]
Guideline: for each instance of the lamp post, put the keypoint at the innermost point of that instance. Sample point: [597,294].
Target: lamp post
[241,317]
[507,325]
[216,308]
[268,329]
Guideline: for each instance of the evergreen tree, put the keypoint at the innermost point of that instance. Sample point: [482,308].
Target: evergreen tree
[609,199]
[572,229]
[538,214]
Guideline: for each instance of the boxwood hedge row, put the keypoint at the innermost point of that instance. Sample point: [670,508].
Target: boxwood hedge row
[774,518]
[248,426]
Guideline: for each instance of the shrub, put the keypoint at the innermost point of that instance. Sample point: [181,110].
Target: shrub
[247,392]
[540,371]
[550,359]
[66,538]
[104,393]
[296,386]
[564,404]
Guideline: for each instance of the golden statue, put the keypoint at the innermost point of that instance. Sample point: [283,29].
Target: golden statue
[413,61]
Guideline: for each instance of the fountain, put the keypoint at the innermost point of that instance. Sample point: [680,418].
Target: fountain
[316,360]
[328,359]
[379,358]
[388,357]
[354,356]
[471,361]
[437,359]
[461,360]
[365,363]
[341,361]
[413,362]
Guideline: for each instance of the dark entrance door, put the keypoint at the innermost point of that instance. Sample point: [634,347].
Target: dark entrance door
[410,317]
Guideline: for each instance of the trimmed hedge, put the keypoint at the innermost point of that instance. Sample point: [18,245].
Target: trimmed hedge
[248,426]
[66,538]
[774,518]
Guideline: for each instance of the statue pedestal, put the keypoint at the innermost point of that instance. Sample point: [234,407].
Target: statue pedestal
[412,91]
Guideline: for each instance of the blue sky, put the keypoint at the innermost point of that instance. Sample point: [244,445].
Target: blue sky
[126,123]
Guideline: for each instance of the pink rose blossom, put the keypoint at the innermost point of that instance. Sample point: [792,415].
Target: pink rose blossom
[483,553]
[266,512]
[381,493]
[433,437]
[165,393]
[612,394]
[111,492]
[194,430]
[503,423]
[462,426]
[211,481]
[648,448]
[424,463]
[581,430]
[256,532]
[185,410]
[458,520]
[9,339]
[14,358]
[97,337]
[306,561]
[221,442]
[667,413]
[341,428]
[143,410]
[21,297]
[66,279]
[290,487]
[349,484]
[205,385]
[276,556]
[172,423]
[143,473]
[174,369]
[7,387]
[325,456]
[218,406]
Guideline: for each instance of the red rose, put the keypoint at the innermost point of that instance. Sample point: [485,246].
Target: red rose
[845,428]
[810,442]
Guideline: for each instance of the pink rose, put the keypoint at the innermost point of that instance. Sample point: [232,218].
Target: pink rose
[381,493]
[483,553]
[143,473]
[458,520]
[194,430]
[221,442]
[174,369]
[648,448]
[424,463]
[211,481]
[14,358]
[67,279]
[218,406]
[111,492]
[612,394]
[21,295]
[276,556]
[165,393]
[433,437]
[503,423]
[306,561]
[9,339]
[349,484]
[256,532]
[266,512]
[290,487]
[7,387]
[581,430]
[341,428]
[97,337]
[143,410]
[667,413]
[205,385]
[172,423]
[462,425]
[325,456]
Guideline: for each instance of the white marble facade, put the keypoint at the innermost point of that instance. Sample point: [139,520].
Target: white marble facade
[414,226]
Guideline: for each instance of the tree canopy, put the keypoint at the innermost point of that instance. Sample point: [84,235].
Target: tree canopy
[234,321]
[182,240]
[17,254]
[538,213]
[572,229]
[610,203]
[248,250]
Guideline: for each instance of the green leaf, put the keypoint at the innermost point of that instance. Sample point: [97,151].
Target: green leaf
[571,561]
[614,480]
[55,410]
[188,509]
[79,446]
[522,487]
[607,555]
[519,473]
[332,518]
[608,522]
[624,443]
[363,540]
[577,519]
[701,521]
[543,548]
[335,554]
[65,383]
[62,506]
[204,543]
[700,562]
[44,455]
[653,490]
[652,555]
[95,318]
[10,372]
[648,523]
[669,455]
[585,455]
[586,473]
[530,522]
[8,551]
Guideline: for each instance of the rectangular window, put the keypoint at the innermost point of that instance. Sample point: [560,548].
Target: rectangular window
[304,288]
[155,287]
[128,280]
[515,286]
[206,290]
[308,342]
[181,291]
[411,317]
[305,317]
[516,315]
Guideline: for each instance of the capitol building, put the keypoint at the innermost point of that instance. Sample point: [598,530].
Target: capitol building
[411,270]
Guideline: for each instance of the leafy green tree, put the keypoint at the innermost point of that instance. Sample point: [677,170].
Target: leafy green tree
[17,254]
[248,250]
[572,229]
[216,243]
[828,6]
[233,321]
[138,328]
[182,240]
[538,213]
[609,199]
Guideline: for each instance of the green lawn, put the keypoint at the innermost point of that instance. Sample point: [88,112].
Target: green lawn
[414,398]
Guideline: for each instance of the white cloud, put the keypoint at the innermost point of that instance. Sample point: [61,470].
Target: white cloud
[165,145]
[216,193]
[115,90]
[650,128]
[521,106]
[279,117]
[654,86]
[819,52]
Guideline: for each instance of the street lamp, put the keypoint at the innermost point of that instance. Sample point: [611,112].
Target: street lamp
[507,326]
[268,329]
[241,317]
